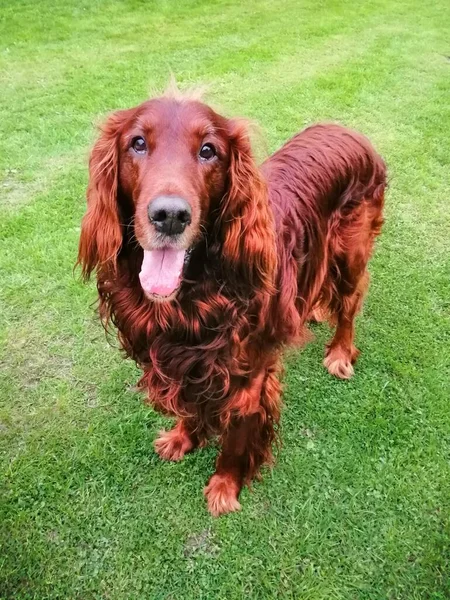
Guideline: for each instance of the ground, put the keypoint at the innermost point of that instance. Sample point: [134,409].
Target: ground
[358,504]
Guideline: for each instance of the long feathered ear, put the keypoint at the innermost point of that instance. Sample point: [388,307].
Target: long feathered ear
[248,236]
[101,231]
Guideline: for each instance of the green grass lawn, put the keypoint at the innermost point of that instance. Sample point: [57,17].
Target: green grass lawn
[358,506]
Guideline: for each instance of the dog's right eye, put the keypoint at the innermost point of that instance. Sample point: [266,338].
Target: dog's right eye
[139,146]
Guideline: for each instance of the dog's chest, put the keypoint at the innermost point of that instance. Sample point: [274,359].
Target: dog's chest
[190,364]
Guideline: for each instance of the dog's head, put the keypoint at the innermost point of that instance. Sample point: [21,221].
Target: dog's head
[168,168]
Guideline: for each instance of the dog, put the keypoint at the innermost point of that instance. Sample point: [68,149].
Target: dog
[209,266]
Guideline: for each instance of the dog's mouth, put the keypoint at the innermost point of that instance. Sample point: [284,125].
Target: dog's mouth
[162,272]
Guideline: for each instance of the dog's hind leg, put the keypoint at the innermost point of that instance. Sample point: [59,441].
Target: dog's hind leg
[350,247]
[341,353]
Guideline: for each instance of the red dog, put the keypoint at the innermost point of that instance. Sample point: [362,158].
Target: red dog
[209,266]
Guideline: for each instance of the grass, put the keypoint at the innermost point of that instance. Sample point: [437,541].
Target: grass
[358,505]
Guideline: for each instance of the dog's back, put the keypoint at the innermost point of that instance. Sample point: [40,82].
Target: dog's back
[328,167]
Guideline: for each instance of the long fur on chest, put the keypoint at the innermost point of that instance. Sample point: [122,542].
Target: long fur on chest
[195,351]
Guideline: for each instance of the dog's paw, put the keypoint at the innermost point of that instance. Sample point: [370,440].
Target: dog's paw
[173,444]
[222,494]
[339,362]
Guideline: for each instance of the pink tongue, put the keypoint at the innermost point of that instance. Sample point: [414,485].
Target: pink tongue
[161,271]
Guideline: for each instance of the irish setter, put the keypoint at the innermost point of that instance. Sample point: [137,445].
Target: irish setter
[209,266]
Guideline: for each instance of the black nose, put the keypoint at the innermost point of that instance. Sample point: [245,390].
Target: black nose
[169,214]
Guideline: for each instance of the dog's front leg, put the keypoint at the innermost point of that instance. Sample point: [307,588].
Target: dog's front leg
[246,443]
[182,438]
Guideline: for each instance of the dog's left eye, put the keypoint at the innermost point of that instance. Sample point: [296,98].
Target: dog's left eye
[207,152]
[138,144]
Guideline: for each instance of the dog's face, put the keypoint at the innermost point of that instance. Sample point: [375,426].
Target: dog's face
[173,162]
[179,170]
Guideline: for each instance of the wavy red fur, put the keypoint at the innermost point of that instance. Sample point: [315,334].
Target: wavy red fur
[272,248]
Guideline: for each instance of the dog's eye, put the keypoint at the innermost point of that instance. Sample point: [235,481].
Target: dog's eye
[139,146]
[207,152]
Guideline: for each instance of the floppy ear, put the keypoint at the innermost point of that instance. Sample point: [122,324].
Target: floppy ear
[248,235]
[101,231]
